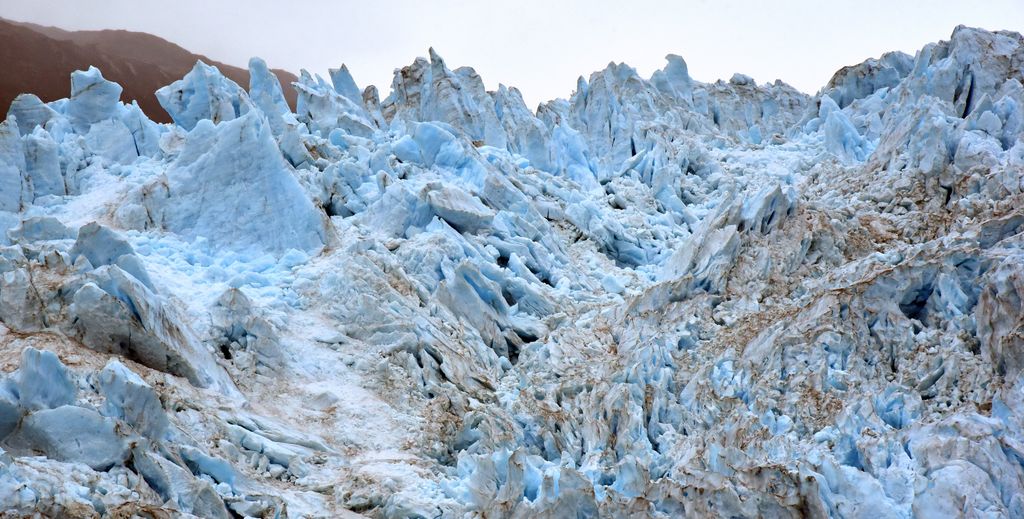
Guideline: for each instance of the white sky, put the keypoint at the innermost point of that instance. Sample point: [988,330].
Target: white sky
[539,46]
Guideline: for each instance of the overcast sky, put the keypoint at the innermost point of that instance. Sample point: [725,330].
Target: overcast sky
[539,46]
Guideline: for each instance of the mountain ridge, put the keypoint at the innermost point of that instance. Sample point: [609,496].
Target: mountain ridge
[41,61]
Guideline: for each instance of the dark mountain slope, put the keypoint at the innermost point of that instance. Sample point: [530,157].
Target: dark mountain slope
[40,60]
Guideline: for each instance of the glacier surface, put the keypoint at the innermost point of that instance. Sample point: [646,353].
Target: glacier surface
[656,298]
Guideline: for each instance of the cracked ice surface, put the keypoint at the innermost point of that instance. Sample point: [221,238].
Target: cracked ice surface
[657,298]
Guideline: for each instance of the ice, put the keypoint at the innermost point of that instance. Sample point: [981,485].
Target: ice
[860,81]
[43,381]
[31,112]
[93,99]
[102,246]
[16,191]
[323,109]
[656,298]
[674,79]
[70,433]
[120,317]
[175,484]
[343,83]
[204,93]
[145,134]
[841,137]
[527,135]
[131,399]
[260,206]
[113,141]
[464,212]
[429,91]
[999,312]
[244,332]
[42,164]
[265,92]
[10,414]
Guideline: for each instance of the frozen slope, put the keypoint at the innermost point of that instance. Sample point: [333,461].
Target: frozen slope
[658,298]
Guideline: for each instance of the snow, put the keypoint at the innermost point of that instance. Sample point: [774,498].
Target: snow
[656,298]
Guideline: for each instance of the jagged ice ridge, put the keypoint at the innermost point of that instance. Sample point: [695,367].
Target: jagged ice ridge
[658,298]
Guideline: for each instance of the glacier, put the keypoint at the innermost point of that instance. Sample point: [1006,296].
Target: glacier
[658,297]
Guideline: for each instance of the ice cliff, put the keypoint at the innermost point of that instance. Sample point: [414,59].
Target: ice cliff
[656,298]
